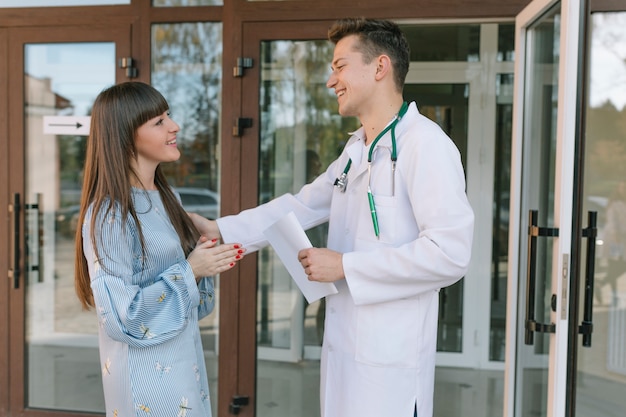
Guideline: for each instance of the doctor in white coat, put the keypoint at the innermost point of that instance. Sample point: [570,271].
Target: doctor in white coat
[400,229]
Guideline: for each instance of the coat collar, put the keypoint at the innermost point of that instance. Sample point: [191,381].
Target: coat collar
[357,151]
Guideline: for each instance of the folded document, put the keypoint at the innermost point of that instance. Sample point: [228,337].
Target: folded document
[287,238]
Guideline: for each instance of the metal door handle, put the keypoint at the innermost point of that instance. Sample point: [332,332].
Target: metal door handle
[14,270]
[38,209]
[590,232]
[534,231]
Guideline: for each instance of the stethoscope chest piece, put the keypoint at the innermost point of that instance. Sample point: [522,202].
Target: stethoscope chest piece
[341,182]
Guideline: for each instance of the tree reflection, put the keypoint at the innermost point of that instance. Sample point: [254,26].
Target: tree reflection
[187,69]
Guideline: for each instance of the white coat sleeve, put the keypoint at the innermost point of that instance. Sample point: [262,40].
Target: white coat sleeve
[311,206]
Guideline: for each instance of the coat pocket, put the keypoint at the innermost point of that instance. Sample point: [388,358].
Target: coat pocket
[389,334]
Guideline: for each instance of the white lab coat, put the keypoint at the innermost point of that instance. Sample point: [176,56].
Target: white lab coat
[378,354]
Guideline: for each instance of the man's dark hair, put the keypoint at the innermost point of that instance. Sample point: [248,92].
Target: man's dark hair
[377,37]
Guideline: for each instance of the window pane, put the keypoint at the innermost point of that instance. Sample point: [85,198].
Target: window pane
[506,42]
[300,134]
[443,42]
[187,69]
[500,237]
[61,81]
[602,366]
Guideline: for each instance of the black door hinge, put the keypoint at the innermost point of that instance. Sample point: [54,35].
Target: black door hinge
[238,402]
[242,64]
[241,123]
[128,64]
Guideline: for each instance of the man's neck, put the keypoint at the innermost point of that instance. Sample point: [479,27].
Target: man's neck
[379,118]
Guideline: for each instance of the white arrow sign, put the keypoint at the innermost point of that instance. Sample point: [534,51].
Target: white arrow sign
[66,125]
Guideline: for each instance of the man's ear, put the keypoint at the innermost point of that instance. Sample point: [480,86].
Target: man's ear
[383,67]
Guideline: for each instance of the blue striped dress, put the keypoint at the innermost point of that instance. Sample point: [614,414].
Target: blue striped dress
[148,309]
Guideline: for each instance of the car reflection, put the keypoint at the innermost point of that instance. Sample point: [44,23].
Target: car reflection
[202,201]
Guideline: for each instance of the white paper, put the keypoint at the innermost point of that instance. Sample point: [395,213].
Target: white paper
[287,238]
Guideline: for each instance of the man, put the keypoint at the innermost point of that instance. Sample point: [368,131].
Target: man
[400,228]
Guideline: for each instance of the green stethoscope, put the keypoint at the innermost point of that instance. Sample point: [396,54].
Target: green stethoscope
[342,181]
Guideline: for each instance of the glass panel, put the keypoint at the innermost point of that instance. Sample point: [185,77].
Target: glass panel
[301,133]
[186,3]
[538,177]
[601,378]
[187,69]
[500,238]
[61,81]
[443,42]
[54,3]
[448,106]
[506,42]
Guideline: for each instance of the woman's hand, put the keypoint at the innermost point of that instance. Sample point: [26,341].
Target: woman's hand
[206,227]
[208,258]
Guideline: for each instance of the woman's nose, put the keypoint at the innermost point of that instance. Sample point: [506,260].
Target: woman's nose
[175,127]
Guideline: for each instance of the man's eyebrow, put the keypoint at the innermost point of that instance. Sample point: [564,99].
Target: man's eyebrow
[336,61]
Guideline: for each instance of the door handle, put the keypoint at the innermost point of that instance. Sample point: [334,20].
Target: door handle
[590,232]
[14,269]
[38,209]
[534,231]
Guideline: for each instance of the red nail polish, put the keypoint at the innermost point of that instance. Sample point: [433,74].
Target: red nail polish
[238,257]
[236,246]
[239,251]
[214,240]
[232,264]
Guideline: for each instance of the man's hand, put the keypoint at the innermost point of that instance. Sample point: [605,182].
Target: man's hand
[207,228]
[322,265]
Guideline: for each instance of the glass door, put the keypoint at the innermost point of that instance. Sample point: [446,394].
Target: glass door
[601,365]
[55,79]
[299,133]
[545,232]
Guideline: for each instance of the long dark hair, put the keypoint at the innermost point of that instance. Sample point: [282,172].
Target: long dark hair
[117,113]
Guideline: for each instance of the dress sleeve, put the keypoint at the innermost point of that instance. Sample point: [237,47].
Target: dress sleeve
[133,308]
[207,297]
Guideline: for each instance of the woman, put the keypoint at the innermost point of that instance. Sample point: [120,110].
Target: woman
[141,262]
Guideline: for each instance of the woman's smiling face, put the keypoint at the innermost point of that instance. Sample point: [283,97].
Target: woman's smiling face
[155,141]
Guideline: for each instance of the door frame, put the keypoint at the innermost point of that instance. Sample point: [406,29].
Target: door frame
[565,269]
[120,34]
[4,249]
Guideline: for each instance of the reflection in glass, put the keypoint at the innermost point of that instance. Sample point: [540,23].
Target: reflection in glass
[61,80]
[500,237]
[601,377]
[301,133]
[431,43]
[538,181]
[187,69]
[448,106]
[506,42]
